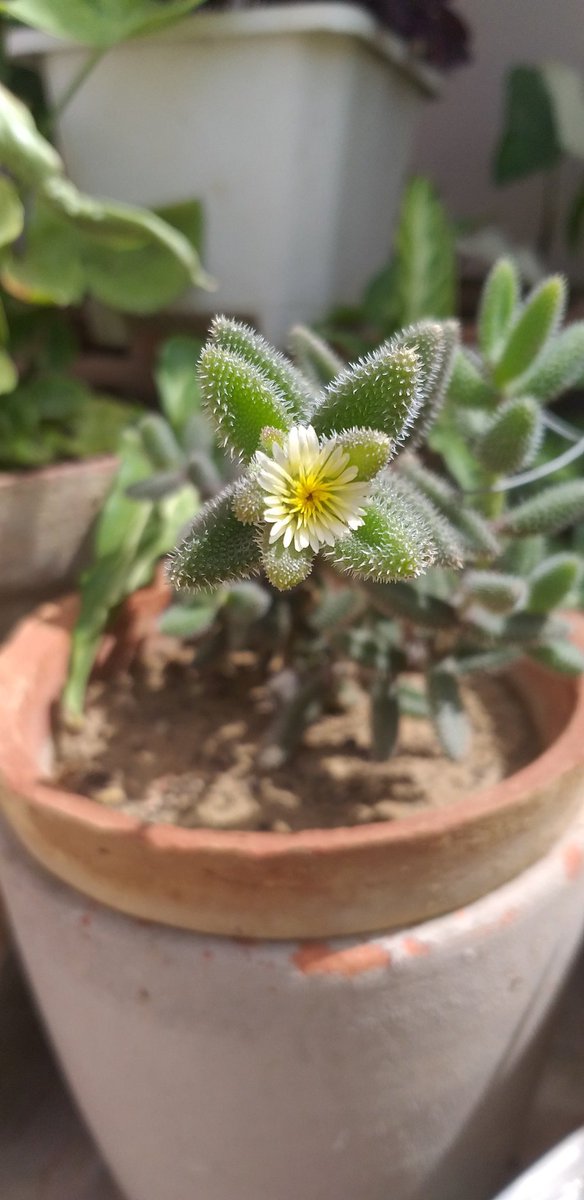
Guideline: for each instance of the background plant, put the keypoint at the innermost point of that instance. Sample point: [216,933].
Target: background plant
[543,129]
[57,246]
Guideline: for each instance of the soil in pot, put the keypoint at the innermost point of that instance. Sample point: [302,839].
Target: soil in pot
[170,742]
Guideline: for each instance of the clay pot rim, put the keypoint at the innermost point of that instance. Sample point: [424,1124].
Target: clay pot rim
[564,753]
[72,466]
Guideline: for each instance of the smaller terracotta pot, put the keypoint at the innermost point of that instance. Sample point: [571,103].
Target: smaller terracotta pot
[316,883]
[45,518]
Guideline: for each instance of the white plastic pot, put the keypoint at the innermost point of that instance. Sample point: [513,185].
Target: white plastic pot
[376,1067]
[293,124]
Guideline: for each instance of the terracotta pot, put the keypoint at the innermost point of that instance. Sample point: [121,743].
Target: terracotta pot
[320,883]
[45,517]
[391,1064]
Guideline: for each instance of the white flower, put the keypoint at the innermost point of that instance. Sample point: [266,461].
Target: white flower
[311,497]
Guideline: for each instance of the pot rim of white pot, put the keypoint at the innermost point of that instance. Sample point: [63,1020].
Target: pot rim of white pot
[325,17]
[314,883]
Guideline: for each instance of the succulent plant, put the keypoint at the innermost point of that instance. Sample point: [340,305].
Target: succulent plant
[314,460]
[414,578]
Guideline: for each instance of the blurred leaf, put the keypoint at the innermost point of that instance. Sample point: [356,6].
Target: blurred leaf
[425,267]
[97,24]
[46,268]
[8,374]
[188,620]
[450,719]
[534,324]
[188,218]
[11,212]
[529,141]
[99,424]
[23,151]
[384,717]
[575,221]
[566,88]
[176,380]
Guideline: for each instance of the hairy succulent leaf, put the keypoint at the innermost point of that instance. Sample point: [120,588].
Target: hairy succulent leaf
[435,344]
[335,606]
[218,549]
[390,544]
[560,366]
[316,359]
[402,600]
[513,436]
[468,386]
[559,654]
[485,660]
[368,450]
[447,540]
[160,443]
[447,709]
[498,303]
[384,716]
[552,581]
[378,392]
[249,500]
[493,590]
[547,512]
[478,536]
[536,322]
[240,399]
[240,339]
[284,566]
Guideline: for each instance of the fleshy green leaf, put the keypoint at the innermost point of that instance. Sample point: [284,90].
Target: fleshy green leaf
[189,620]
[11,212]
[498,303]
[403,600]
[100,24]
[513,437]
[497,592]
[23,151]
[425,256]
[478,536]
[391,544]
[435,344]
[560,365]
[249,499]
[286,567]
[368,450]
[240,399]
[550,511]
[447,709]
[378,392]
[47,268]
[535,323]
[559,655]
[468,386]
[552,581]
[8,374]
[217,549]
[385,714]
[176,380]
[160,443]
[239,339]
[530,139]
[319,362]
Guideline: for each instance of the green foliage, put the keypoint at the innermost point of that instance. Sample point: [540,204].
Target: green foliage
[380,392]
[101,25]
[512,438]
[314,356]
[240,399]
[450,573]
[534,324]
[140,521]
[60,244]
[498,304]
[425,276]
[419,281]
[529,141]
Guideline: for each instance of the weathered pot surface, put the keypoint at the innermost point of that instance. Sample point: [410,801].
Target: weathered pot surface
[317,883]
[389,1065]
[45,516]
